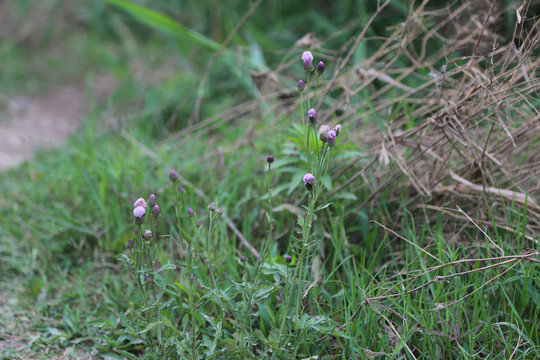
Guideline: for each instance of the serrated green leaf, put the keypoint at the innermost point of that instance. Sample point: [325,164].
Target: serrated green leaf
[166,267]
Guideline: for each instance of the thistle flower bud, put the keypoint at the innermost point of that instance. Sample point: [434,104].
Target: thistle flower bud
[270,159]
[212,206]
[312,116]
[129,246]
[288,259]
[151,200]
[148,278]
[173,175]
[156,211]
[300,86]
[320,68]
[243,259]
[332,138]
[181,190]
[198,223]
[139,212]
[140,202]
[191,279]
[219,212]
[147,235]
[323,132]
[131,241]
[309,180]
[307,59]
[337,129]
[190,212]
[136,230]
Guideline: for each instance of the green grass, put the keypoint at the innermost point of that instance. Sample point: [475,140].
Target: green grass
[383,289]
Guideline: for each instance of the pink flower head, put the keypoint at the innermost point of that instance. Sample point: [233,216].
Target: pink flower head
[323,133]
[309,180]
[139,212]
[140,202]
[337,129]
[312,116]
[307,59]
[331,138]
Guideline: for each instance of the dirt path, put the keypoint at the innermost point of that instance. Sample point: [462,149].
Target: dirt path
[31,123]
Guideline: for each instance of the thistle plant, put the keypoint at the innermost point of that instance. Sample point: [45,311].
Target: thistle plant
[319,144]
[141,264]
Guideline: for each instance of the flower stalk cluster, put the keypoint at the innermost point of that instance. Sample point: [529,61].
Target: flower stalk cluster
[319,140]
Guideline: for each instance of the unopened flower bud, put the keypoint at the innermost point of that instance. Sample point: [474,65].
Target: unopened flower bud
[181,190]
[148,278]
[270,159]
[191,279]
[131,241]
[156,211]
[300,86]
[129,246]
[243,259]
[198,223]
[190,212]
[219,212]
[320,68]
[152,200]
[288,259]
[173,175]
[212,206]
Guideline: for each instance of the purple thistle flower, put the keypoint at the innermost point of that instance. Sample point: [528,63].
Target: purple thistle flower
[140,202]
[300,86]
[288,259]
[131,241]
[323,132]
[309,180]
[148,278]
[320,68]
[181,190]
[307,59]
[190,212]
[139,212]
[312,116]
[198,223]
[243,259]
[173,175]
[337,129]
[151,200]
[156,211]
[270,159]
[212,206]
[332,138]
